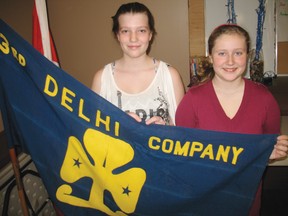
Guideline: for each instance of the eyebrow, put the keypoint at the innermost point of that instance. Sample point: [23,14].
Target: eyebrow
[147,27]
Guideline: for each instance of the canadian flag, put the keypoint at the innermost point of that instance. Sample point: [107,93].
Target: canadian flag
[41,38]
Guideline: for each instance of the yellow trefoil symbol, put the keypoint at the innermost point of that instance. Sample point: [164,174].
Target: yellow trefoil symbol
[108,154]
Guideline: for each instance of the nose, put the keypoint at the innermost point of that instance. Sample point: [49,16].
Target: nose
[230,59]
[133,36]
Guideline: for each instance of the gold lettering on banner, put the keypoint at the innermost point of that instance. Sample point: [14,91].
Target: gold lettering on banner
[69,97]
[52,92]
[66,100]
[5,49]
[196,149]
[80,113]
[4,46]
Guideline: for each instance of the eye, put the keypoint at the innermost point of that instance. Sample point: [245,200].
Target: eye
[124,31]
[221,53]
[238,53]
[142,30]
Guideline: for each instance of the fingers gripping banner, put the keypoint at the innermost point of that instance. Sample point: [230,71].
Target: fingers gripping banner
[95,159]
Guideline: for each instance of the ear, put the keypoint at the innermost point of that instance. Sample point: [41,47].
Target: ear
[118,36]
[151,35]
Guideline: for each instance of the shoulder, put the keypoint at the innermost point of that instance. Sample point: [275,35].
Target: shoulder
[257,88]
[96,82]
[173,71]
[260,93]
[196,98]
[198,95]
[98,74]
[201,88]
[171,75]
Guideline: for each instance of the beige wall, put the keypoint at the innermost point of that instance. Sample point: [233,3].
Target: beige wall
[18,14]
[83,38]
[197,27]
[82,33]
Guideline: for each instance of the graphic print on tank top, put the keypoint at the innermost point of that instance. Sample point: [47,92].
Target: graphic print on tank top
[158,106]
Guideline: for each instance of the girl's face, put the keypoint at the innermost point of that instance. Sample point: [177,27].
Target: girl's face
[229,57]
[134,34]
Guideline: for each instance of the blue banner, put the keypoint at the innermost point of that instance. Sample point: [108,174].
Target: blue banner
[94,159]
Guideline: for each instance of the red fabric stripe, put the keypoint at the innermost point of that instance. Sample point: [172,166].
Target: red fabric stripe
[53,50]
[36,36]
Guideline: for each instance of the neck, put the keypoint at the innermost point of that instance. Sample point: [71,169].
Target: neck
[140,58]
[139,62]
[227,87]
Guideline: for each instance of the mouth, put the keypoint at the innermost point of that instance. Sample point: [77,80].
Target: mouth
[230,69]
[133,47]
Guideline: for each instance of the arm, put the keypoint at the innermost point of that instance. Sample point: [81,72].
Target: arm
[185,113]
[178,85]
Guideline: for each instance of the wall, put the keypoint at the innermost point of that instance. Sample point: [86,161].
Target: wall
[197,27]
[275,57]
[82,33]
[247,17]
[282,20]
[83,38]
[18,14]
[282,36]
[282,50]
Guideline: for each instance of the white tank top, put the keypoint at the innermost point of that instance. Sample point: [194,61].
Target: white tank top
[157,99]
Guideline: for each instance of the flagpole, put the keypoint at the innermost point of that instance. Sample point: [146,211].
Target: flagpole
[19,183]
